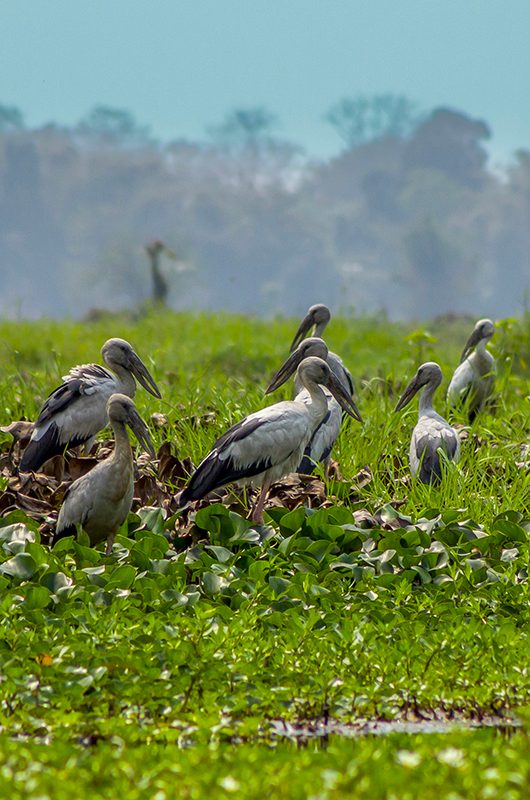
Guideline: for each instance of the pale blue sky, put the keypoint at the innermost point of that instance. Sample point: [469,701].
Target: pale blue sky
[180,65]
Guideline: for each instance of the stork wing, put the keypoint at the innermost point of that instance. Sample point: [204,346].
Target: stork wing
[82,380]
[253,445]
[323,438]
[431,437]
[74,510]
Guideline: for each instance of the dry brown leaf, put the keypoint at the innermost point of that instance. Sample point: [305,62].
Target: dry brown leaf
[77,467]
[20,431]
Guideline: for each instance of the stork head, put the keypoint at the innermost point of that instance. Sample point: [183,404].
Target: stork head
[121,408]
[307,347]
[315,371]
[482,332]
[318,317]
[429,374]
[119,353]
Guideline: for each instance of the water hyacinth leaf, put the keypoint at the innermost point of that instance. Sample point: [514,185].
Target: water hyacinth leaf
[293,520]
[55,581]
[320,549]
[122,577]
[279,585]
[18,516]
[211,583]
[208,518]
[387,556]
[16,532]
[36,597]
[148,547]
[389,515]
[222,554]
[22,566]
[41,554]
[251,535]
[422,573]
[152,519]
[511,530]
[151,544]
[84,554]
[62,545]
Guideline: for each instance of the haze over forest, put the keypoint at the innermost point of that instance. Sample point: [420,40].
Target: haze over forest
[408,218]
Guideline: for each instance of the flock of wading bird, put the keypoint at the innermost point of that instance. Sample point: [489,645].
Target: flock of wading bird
[289,436]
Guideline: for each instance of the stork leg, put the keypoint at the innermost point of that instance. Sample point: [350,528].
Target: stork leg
[257,511]
[110,542]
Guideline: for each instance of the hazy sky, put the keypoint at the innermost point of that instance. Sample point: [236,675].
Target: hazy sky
[180,65]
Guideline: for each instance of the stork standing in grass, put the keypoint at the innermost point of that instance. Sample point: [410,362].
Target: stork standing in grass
[324,436]
[77,410]
[100,500]
[474,378]
[432,433]
[269,444]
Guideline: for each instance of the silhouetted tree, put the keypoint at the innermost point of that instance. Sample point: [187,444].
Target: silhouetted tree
[363,119]
[452,143]
[259,157]
[11,119]
[113,126]
[244,129]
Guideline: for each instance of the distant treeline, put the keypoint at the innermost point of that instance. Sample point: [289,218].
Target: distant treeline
[408,219]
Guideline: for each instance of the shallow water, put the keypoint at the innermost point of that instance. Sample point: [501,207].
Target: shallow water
[323,729]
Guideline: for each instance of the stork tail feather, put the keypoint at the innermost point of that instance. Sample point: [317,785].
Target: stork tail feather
[212,474]
[68,530]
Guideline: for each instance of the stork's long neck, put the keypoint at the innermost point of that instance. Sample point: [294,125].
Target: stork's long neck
[426,397]
[122,454]
[319,329]
[318,408]
[125,378]
[482,358]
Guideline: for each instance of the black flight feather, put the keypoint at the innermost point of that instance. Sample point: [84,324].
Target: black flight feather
[307,464]
[49,445]
[213,472]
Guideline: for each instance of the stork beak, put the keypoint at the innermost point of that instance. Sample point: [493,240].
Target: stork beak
[139,428]
[413,387]
[304,328]
[345,400]
[142,374]
[285,371]
[472,342]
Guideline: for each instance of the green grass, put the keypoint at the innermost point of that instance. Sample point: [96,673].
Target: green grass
[155,672]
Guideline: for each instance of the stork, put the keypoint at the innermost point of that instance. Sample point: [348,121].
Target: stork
[474,378]
[317,317]
[269,444]
[100,500]
[77,410]
[432,432]
[324,436]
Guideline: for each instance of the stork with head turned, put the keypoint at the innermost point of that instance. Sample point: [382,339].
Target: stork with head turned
[432,433]
[317,317]
[269,444]
[77,410]
[325,434]
[100,500]
[474,378]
